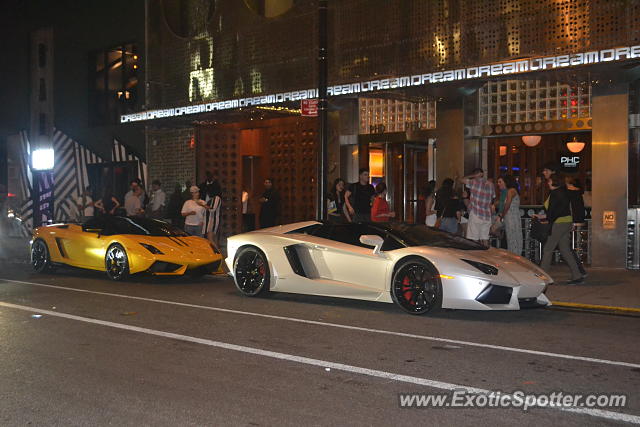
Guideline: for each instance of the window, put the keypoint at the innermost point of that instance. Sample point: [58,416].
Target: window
[113,83]
[42,92]
[42,125]
[42,55]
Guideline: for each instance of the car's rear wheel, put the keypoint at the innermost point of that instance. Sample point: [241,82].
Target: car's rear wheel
[416,287]
[251,272]
[116,262]
[40,257]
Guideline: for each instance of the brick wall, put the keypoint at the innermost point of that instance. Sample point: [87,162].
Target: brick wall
[170,157]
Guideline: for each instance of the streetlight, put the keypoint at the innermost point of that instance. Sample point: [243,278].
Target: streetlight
[42,163]
[42,159]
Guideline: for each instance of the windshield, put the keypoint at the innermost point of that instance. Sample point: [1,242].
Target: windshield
[421,235]
[135,226]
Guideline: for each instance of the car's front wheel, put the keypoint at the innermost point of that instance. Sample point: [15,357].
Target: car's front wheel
[416,287]
[251,272]
[116,262]
[40,258]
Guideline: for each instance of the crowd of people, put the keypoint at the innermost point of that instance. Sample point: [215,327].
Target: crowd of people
[470,206]
[196,209]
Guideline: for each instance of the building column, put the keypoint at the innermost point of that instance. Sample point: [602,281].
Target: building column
[450,143]
[610,172]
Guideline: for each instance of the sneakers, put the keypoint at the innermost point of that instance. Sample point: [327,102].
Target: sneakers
[579,281]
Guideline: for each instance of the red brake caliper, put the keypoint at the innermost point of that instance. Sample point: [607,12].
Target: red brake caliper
[407,293]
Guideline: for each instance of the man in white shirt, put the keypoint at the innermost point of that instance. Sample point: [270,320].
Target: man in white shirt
[193,213]
[84,202]
[157,202]
[133,199]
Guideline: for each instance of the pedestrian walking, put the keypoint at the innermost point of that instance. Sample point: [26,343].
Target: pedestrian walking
[558,215]
[157,201]
[85,205]
[509,213]
[447,207]
[336,209]
[359,197]
[380,211]
[577,204]
[430,202]
[481,194]
[270,205]
[193,212]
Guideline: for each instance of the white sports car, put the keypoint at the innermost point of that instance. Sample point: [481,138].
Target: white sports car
[417,267]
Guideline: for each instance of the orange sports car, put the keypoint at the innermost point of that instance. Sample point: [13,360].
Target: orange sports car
[122,246]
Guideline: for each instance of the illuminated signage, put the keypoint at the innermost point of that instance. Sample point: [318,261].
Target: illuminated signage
[570,162]
[484,71]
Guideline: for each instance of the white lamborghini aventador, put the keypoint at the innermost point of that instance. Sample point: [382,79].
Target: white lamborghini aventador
[417,267]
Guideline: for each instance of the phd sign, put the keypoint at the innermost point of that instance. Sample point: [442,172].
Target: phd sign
[570,162]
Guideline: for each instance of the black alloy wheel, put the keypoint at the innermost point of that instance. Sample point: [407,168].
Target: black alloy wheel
[251,272]
[116,262]
[40,258]
[416,287]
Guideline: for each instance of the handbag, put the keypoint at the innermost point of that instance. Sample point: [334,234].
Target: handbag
[540,230]
[497,228]
[332,207]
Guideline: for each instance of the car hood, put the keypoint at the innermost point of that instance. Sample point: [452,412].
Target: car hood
[179,246]
[512,269]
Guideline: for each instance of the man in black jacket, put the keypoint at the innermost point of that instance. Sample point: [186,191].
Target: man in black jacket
[210,188]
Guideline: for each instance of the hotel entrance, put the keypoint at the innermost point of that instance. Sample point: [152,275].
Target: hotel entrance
[404,167]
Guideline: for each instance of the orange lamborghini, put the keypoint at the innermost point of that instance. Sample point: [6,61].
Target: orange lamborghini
[122,246]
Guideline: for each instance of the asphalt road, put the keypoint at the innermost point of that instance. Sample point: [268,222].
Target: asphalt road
[77,349]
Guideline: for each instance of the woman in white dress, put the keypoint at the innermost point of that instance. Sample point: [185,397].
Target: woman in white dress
[430,202]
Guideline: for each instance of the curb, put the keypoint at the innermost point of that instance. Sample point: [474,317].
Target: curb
[593,307]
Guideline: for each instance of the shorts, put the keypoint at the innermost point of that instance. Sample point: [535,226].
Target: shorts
[478,228]
[193,230]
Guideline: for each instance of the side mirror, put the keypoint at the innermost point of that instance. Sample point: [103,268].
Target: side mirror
[372,240]
[93,230]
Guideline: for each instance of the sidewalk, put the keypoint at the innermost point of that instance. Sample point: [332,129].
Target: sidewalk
[14,250]
[603,287]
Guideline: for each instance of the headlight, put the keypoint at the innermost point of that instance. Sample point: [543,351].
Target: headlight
[485,268]
[152,249]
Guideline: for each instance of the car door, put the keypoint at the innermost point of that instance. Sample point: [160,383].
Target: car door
[340,257]
[86,248]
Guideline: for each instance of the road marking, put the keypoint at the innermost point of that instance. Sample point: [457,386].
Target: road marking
[348,327]
[611,415]
[595,307]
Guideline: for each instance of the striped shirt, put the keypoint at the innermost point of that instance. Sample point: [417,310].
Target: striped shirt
[481,195]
